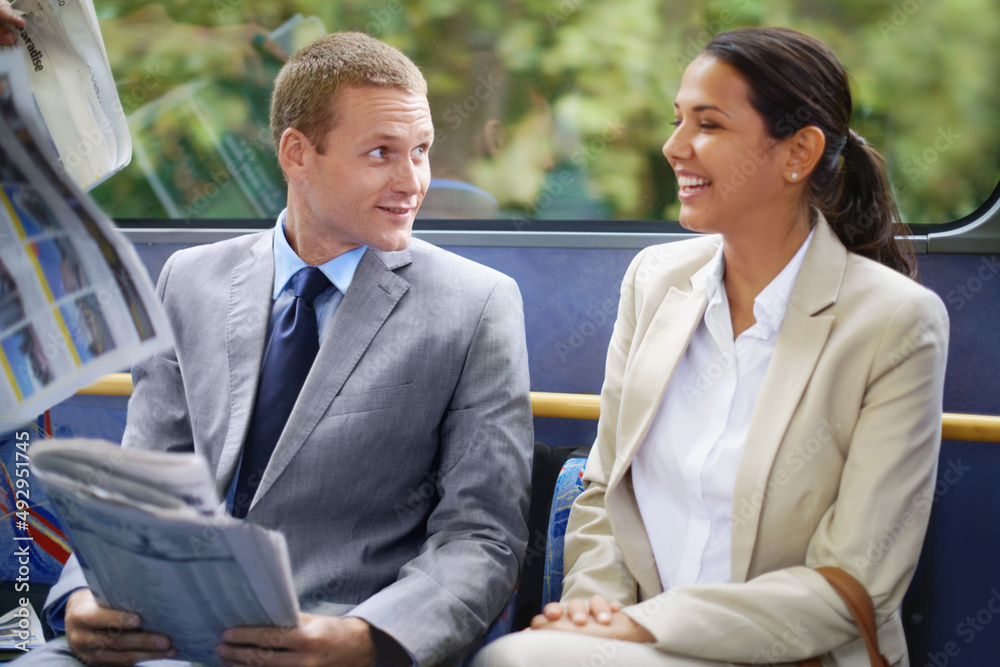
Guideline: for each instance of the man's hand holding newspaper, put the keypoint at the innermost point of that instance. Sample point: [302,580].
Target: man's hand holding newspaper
[168,570]
[100,636]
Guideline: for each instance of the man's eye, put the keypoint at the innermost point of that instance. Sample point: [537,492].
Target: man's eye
[380,152]
[419,151]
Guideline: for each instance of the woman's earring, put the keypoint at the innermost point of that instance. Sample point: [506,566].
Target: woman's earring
[794,176]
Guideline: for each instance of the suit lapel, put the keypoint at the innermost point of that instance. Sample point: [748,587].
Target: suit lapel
[250,292]
[649,370]
[801,340]
[372,296]
[659,344]
[663,344]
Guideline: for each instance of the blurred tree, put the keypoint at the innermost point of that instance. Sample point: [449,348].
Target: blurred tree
[534,96]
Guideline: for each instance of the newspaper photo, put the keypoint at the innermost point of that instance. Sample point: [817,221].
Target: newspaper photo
[70,77]
[75,301]
[152,538]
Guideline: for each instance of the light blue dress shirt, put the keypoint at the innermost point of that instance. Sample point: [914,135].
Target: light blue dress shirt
[340,270]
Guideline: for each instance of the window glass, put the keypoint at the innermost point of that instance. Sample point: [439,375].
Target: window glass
[544,109]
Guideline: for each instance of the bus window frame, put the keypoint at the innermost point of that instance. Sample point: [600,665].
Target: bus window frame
[977,233]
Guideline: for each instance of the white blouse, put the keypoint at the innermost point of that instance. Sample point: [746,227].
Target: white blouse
[684,473]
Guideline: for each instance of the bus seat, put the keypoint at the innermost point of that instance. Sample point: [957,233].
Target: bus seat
[568,486]
[503,623]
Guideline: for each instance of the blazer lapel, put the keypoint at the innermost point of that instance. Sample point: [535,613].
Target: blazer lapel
[660,347]
[649,370]
[372,296]
[801,340]
[250,294]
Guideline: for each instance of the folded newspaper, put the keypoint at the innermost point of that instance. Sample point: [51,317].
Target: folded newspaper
[71,79]
[151,537]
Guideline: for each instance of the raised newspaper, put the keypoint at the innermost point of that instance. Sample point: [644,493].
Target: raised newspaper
[71,79]
[151,537]
[75,301]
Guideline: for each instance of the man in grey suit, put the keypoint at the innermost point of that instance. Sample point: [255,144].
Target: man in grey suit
[401,476]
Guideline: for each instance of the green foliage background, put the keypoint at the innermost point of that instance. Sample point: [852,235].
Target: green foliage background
[583,89]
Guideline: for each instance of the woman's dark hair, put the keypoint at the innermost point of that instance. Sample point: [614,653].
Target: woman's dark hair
[796,81]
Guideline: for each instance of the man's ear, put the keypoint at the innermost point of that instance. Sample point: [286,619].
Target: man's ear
[805,148]
[294,149]
[494,137]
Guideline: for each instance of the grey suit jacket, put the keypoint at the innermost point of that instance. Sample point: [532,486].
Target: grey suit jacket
[401,480]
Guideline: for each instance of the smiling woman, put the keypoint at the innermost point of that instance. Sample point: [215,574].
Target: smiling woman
[761,143]
[729,352]
[717,131]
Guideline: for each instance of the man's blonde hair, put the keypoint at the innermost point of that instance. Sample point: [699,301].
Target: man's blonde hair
[307,86]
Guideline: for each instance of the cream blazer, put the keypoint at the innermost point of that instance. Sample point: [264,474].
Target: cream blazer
[838,467]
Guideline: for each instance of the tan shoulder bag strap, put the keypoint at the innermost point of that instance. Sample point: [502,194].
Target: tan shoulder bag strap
[859,603]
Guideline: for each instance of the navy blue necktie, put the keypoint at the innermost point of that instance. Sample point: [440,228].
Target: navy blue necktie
[290,355]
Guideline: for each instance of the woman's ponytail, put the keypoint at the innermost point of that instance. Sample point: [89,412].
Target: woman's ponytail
[860,208]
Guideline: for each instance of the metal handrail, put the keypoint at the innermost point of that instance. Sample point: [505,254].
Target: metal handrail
[971,428]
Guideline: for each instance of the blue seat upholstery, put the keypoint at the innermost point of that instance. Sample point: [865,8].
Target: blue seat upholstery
[501,626]
[503,623]
[568,487]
